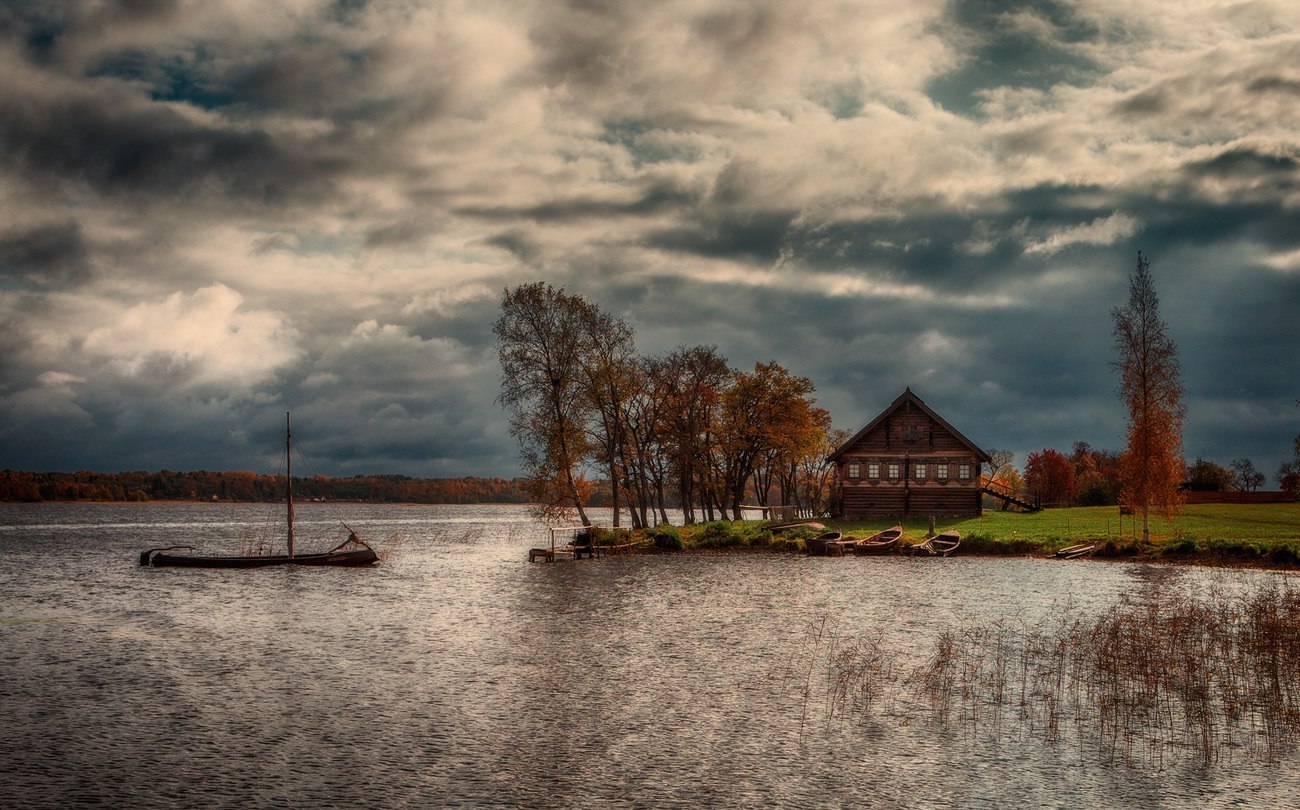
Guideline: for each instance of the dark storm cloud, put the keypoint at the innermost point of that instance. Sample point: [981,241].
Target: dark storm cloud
[45,256]
[747,235]
[1251,165]
[116,147]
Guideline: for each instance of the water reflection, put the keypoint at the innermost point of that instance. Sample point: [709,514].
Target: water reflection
[458,673]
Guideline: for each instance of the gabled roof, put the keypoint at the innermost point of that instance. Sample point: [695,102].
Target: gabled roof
[905,397]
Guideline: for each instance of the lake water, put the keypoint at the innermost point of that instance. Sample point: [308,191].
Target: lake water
[457,674]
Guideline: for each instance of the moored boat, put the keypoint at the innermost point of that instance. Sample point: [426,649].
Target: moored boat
[880,542]
[941,545]
[352,552]
[944,543]
[824,544]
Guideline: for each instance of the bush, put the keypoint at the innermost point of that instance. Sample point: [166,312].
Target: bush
[666,538]
[1178,546]
[1234,548]
[718,534]
[1282,555]
[1118,548]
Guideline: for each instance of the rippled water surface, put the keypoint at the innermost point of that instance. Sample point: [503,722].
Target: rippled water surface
[458,674]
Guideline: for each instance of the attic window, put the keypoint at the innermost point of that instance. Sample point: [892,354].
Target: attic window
[911,433]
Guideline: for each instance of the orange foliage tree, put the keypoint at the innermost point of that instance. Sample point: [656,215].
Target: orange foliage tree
[1050,474]
[1147,360]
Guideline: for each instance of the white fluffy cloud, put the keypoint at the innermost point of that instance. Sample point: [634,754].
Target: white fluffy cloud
[208,335]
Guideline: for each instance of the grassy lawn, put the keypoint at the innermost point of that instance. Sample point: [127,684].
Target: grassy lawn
[1234,534]
[1224,530]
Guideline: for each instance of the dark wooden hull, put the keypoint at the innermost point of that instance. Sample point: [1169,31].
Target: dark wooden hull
[353,559]
[945,544]
[824,544]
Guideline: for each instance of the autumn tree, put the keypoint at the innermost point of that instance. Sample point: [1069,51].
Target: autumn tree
[1151,389]
[1288,475]
[764,412]
[610,380]
[1049,473]
[542,342]
[692,383]
[814,482]
[1002,469]
[1206,476]
[1096,474]
[650,434]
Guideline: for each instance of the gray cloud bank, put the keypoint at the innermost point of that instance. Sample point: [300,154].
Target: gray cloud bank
[216,212]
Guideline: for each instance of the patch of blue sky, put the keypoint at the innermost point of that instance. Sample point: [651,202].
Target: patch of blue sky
[646,143]
[1017,44]
[169,78]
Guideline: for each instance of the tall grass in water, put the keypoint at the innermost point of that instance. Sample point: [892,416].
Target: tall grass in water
[1166,676]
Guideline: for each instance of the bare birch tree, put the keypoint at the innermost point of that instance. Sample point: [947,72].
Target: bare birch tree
[1147,360]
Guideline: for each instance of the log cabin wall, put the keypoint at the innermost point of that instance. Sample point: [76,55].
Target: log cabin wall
[908,462]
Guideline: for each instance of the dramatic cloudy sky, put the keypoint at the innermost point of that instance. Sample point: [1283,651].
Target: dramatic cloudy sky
[214,211]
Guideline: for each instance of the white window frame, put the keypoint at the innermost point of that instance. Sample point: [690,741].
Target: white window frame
[873,469]
[941,472]
[855,470]
[963,472]
[919,470]
[895,470]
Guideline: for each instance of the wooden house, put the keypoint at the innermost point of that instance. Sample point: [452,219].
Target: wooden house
[908,462]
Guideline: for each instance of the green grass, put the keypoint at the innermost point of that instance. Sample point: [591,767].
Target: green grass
[1268,532]
[1253,534]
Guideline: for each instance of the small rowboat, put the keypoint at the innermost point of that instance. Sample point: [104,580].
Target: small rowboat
[1075,551]
[941,545]
[880,542]
[824,545]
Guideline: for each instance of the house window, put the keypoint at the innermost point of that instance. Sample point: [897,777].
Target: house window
[855,470]
[920,472]
[941,472]
[893,470]
[873,469]
[963,472]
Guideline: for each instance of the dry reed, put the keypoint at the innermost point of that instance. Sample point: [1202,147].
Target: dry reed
[1161,675]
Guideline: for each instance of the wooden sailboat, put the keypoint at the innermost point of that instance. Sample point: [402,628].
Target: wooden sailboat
[353,551]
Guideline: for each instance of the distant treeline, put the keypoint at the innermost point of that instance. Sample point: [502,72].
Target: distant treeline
[31,487]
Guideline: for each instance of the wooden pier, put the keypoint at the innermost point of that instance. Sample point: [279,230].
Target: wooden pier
[574,549]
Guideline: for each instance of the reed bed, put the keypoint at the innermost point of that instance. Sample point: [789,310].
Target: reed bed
[1158,677]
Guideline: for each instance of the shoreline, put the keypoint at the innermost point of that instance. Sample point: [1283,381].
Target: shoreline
[1192,560]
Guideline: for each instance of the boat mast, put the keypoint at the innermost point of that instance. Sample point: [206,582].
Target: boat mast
[288,474]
